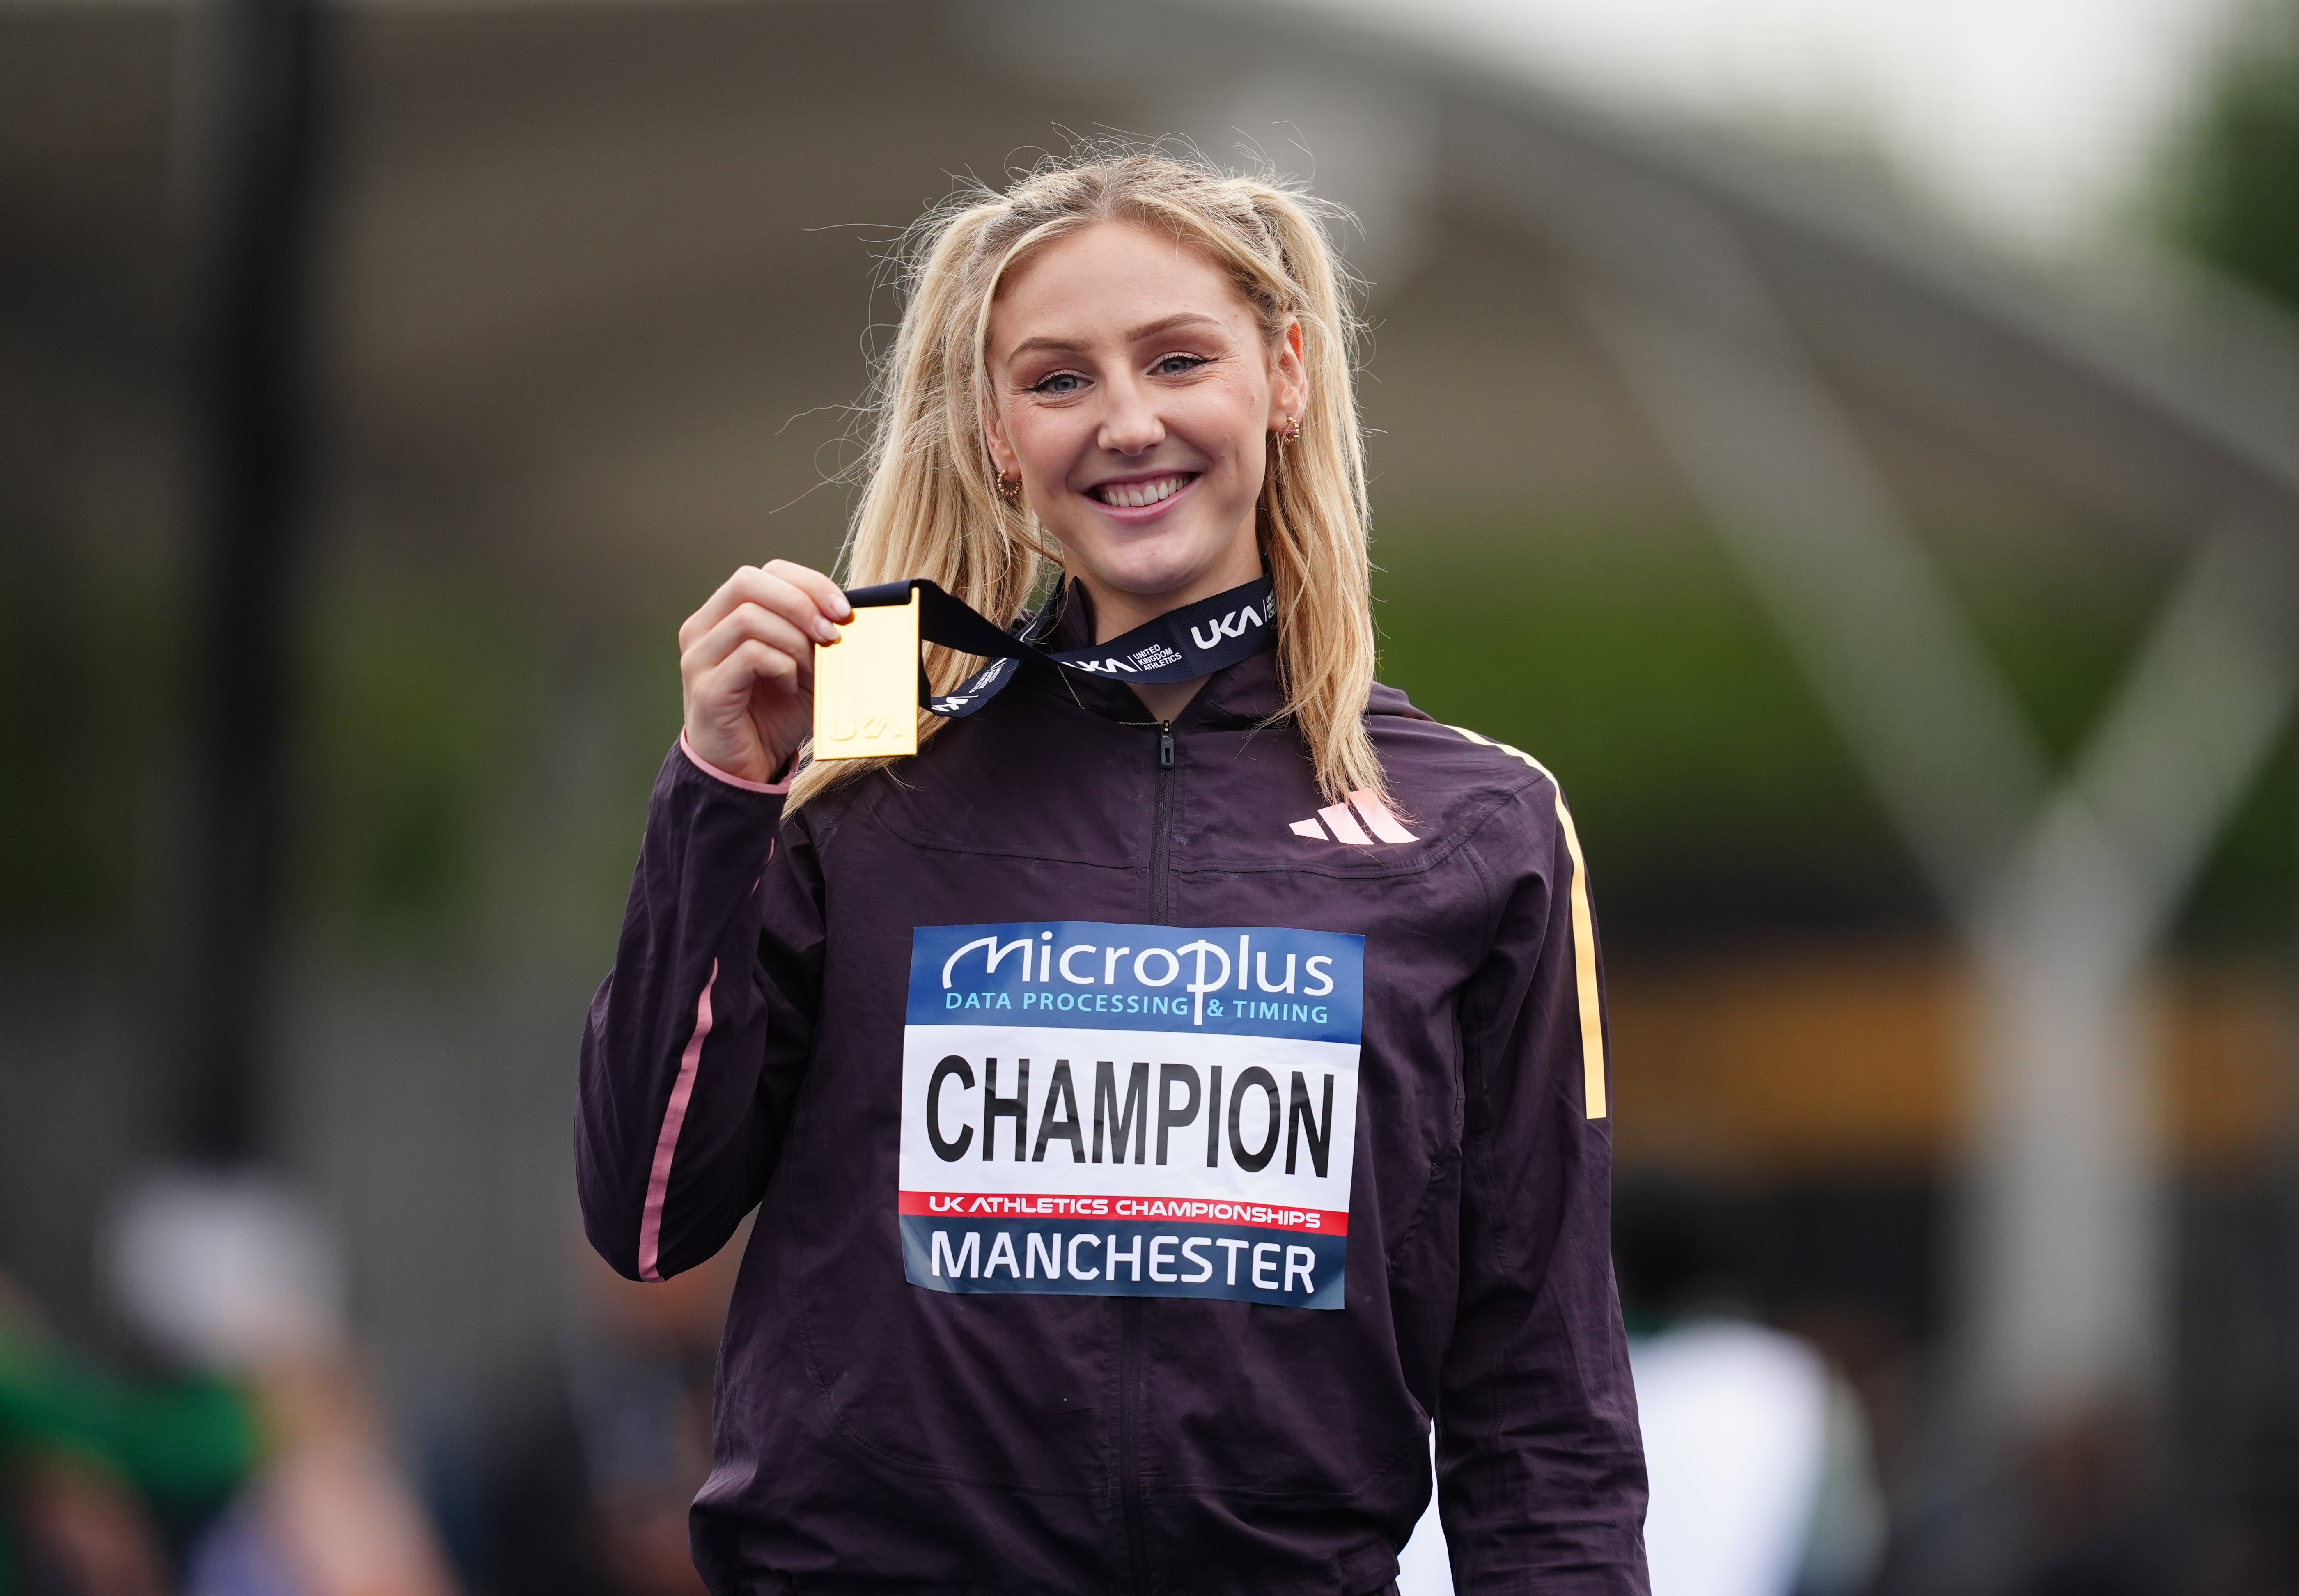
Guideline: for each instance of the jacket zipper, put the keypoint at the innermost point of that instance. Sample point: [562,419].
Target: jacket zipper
[1130,1309]
[1161,824]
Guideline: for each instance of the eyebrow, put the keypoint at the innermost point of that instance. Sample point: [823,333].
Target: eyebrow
[1147,329]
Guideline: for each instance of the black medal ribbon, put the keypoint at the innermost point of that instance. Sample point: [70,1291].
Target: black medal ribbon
[1180,645]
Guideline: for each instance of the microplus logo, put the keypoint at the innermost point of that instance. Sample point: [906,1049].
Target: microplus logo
[1251,981]
[1115,1110]
[1150,970]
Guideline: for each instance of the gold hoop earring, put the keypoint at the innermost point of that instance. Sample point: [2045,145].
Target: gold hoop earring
[1009,488]
[1292,433]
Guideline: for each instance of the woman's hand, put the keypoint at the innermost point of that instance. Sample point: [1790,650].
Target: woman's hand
[746,665]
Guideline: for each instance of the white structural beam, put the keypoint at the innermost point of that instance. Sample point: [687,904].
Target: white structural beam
[2061,893]
[1680,308]
[2066,1226]
[2196,713]
[1817,535]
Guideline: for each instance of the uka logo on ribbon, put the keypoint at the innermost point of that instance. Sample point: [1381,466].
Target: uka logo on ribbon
[1130,1111]
[1233,625]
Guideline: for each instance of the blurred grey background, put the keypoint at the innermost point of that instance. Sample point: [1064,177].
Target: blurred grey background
[1864,465]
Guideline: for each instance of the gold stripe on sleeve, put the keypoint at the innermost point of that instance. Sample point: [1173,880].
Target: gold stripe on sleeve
[1584,942]
[1584,966]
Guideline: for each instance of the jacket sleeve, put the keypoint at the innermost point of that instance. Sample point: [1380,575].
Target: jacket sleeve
[699,1035]
[1539,1462]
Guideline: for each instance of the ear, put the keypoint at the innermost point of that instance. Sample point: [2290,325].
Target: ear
[1288,379]
[994,433]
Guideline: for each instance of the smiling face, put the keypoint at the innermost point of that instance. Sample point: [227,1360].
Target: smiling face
[1131,390]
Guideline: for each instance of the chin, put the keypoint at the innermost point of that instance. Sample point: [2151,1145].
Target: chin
[1153,564]
[1152,577]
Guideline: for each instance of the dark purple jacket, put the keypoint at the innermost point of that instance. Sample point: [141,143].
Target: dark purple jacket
[770,1037]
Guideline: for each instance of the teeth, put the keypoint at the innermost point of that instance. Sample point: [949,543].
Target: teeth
[1137,495]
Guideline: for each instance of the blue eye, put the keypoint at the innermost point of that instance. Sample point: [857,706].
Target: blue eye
[1177,365]
[1060,384]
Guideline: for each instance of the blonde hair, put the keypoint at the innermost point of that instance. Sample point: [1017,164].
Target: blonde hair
[930,506]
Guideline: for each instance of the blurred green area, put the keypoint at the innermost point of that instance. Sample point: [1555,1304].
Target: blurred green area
[415,726]
[469,774]
[2236,191]
[1708,790]
[471,765]
[183,1442]
[1716,801]
[90,686]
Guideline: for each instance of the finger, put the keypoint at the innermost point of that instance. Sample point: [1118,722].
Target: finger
[747,622]
[795,604]
[828,597]
[724,688]
[770,667]
[771,589]
[729,683]
[716,608]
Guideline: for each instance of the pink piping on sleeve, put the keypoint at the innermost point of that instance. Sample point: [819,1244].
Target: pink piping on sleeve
[731,779]
[682,1091]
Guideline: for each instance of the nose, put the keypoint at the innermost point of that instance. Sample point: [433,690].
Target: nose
[1131,424]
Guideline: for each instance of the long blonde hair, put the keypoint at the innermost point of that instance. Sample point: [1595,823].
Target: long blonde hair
[930,505]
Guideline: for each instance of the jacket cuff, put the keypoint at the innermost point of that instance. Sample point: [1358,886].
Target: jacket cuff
[775,788]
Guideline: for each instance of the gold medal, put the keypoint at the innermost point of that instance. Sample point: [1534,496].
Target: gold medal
[866,685]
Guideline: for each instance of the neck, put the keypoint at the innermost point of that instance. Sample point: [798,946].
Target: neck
[1118,611]
[1165,701]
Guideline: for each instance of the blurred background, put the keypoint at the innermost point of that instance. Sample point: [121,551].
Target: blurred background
[1855,446]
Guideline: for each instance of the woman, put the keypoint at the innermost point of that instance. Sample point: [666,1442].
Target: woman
[1229,1022]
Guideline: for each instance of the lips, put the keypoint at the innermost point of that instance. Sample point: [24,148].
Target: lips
[1143,493]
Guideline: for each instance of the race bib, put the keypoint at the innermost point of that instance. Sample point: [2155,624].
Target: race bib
[1130,1111]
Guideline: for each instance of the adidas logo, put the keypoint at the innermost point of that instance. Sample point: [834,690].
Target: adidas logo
[1343,820]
